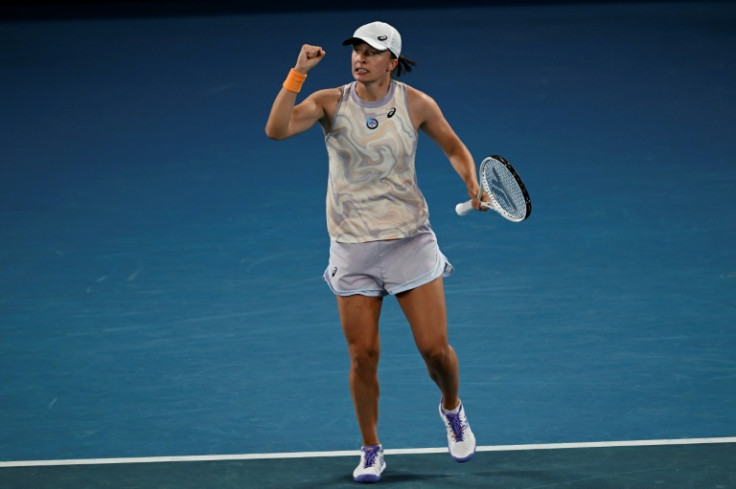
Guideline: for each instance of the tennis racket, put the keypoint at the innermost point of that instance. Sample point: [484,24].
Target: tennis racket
[504,187]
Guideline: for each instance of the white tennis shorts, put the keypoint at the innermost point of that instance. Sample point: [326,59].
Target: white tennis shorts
[379,268]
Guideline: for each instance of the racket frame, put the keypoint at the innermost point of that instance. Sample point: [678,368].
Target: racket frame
[464,207]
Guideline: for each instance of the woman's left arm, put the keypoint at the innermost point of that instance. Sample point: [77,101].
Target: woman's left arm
[427,116]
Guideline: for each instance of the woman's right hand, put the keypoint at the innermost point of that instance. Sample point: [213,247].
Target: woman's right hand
[308,58]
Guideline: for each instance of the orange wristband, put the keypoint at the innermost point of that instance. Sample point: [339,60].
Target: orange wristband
[294,81]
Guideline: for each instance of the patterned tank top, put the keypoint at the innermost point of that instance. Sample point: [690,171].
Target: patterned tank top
[372,191]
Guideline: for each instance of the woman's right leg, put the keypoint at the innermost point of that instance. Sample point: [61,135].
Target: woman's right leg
[359,317]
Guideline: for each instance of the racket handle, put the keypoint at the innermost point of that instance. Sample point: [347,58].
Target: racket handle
[464,207]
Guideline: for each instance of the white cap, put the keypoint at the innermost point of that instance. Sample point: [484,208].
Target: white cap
[378,35]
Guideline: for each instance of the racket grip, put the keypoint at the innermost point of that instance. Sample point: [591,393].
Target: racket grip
[464,207]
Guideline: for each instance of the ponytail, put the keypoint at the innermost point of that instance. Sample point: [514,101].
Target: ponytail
[405,65]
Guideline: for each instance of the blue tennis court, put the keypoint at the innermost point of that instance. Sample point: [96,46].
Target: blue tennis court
[161,299]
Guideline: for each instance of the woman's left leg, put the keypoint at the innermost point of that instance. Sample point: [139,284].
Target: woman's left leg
[425,309]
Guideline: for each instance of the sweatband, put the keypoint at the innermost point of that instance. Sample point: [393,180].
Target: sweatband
[294,81]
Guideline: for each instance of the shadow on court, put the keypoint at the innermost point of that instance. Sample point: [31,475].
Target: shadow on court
[672,467]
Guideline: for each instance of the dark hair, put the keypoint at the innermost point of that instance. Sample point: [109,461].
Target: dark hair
[405,65]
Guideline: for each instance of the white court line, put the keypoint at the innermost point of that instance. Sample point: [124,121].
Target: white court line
[344,453]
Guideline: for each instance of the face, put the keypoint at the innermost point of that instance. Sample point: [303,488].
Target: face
[370,63]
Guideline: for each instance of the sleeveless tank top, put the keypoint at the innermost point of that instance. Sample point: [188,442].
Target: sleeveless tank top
[372,190]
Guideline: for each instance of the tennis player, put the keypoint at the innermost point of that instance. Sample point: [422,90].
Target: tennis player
[378,220]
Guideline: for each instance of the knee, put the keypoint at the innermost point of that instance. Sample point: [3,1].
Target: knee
[365,361]
[436,355]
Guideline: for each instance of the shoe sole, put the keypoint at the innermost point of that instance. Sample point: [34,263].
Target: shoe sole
[370,477]
[367,478]
[464,459]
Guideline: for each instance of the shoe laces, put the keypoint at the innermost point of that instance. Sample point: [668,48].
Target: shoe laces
[456,424]
[370,454]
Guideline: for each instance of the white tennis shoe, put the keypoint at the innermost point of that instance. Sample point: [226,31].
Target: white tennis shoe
[371,464]
[460,438]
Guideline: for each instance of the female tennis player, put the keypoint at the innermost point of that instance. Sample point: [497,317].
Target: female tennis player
[378,220]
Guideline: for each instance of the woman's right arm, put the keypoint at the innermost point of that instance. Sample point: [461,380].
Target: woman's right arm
[287,119]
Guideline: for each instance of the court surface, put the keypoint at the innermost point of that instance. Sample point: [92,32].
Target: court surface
[163,321]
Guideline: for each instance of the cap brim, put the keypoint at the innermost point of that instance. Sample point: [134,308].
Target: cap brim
[352,41]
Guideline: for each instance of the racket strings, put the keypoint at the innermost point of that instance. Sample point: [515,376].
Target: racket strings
[502,184]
